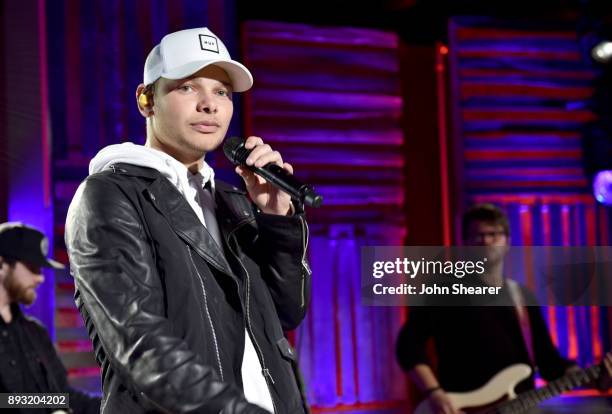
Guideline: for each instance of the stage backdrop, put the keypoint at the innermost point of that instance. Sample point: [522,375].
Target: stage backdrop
[330,99]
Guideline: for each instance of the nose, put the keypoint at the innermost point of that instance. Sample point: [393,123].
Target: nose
[36,275]
[207,104]
[488,239]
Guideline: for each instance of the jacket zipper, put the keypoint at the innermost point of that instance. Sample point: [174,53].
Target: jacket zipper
[265,371]
[207,313]
[305,266]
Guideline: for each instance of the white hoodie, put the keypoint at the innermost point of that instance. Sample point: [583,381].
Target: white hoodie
[191,186]
[173,170]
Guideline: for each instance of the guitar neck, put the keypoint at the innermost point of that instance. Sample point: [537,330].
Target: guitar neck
[530,399]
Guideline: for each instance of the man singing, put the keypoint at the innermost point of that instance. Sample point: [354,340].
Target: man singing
[185,285]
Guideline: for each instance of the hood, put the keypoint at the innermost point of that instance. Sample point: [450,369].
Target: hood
[130,153]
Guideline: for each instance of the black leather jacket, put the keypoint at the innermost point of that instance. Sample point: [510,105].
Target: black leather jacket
[166,309]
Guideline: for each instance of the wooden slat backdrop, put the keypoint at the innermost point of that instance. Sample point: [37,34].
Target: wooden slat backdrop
[329,99]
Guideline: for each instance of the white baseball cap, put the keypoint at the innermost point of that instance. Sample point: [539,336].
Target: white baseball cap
[183,53]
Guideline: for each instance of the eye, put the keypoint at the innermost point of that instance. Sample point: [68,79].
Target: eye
[224,92]
[185,88]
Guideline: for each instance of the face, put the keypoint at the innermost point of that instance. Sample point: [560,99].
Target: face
[489,235]
[190,117]
[20,282]
[482,233]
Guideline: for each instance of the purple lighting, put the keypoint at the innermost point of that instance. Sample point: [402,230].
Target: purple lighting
[602,187]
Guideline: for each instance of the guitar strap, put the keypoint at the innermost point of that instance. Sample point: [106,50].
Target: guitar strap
[523,316]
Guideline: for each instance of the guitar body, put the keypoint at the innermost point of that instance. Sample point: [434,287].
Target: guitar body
[500,387]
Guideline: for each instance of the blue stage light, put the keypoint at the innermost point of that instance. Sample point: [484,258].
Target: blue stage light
[602,187]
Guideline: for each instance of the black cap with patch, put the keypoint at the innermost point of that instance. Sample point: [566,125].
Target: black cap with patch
[25,244]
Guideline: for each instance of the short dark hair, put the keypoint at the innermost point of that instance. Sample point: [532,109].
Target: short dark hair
[486,212]
[8,260]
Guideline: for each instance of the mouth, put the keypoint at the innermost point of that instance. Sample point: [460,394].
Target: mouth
[205,127]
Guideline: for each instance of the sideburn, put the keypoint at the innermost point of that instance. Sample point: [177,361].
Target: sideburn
[16,292]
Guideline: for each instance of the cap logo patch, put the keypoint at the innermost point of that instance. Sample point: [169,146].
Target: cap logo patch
[44,246]
[209,43]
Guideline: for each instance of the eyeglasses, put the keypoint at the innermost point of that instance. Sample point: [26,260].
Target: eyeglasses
[492,235]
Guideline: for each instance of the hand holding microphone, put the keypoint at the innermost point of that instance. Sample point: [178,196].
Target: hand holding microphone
[254,157]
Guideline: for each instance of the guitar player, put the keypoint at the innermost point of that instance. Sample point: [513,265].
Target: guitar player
[472,344]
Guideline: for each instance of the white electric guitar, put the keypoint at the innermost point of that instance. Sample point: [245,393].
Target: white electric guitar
[498,397]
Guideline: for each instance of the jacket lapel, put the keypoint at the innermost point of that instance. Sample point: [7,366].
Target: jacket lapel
[183,220]
[234,203]
[234,210]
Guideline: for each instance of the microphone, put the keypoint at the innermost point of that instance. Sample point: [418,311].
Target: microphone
[236,152]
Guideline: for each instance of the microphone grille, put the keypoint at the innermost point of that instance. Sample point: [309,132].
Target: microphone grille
[231,149]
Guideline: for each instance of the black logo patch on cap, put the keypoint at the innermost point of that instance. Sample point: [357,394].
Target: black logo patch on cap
[209,43]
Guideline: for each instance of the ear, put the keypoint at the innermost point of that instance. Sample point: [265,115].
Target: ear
[144,101]
[3,269]
[508,245]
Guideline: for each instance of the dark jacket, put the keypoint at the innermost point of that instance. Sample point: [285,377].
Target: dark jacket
[26,352]
[473,343]
[166,308]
